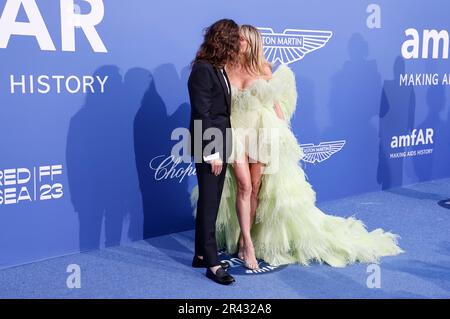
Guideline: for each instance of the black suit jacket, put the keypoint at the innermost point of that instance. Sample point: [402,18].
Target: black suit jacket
[211,106]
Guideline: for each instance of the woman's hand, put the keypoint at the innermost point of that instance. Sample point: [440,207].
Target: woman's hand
[278,111]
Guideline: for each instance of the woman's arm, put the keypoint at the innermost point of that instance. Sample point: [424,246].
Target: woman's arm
[278,111]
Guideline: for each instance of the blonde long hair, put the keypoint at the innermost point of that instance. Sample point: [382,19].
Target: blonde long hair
[254,60]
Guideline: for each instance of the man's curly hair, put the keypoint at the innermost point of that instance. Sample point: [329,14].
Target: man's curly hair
[221,43]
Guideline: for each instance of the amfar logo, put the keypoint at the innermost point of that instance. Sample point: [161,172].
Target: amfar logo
[323,151]
[418,46]
[416,139]
[36,27]
[293,44]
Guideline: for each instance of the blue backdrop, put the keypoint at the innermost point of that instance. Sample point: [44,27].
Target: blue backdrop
[91,90]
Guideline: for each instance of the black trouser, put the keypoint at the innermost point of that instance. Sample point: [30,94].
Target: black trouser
[210,189]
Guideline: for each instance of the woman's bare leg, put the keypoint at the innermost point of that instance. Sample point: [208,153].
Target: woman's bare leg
[256,170]
[243,207]
[255,176]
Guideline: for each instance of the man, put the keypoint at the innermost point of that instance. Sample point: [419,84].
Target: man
[210,97]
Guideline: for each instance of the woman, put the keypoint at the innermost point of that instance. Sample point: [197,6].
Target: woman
[277,219]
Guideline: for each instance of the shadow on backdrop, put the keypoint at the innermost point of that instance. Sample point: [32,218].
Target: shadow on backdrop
[397,113]
[163,183]
[115,143]
[429,167]
[353,113]
[100,164]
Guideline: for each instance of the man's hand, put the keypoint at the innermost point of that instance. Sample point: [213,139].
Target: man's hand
[215,161]
[216,166]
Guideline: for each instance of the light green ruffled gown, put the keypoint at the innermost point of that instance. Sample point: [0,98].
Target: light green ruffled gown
[289,228]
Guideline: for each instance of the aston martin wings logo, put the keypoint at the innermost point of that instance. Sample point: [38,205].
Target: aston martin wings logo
[292,45]
[323,151]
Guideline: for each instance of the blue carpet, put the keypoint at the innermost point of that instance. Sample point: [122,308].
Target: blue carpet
[160,267]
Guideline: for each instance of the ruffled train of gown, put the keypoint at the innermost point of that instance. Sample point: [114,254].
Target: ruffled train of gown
[289,228]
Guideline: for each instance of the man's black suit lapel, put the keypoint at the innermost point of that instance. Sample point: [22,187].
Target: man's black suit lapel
[224,86]
[229,92]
